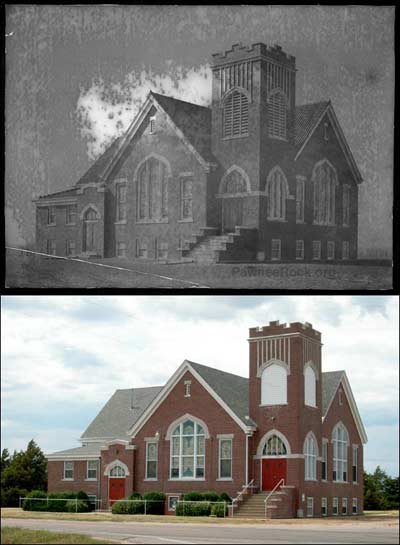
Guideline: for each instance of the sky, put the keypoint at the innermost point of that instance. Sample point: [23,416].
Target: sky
[77,75]
[64,356]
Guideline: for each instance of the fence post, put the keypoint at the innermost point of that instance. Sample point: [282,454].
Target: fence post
[47,501]
[224,509]
[76,505]
[145,510]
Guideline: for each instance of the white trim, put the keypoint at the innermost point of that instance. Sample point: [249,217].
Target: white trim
[254,339]
[113,464]
[266,436]
[62,201]
[340,137]
[344,382]
[219,459]
[185,366]
[265,457]
[147,478]
[225,436]
[270,362]
[73,458]
[87,471]
[186,416]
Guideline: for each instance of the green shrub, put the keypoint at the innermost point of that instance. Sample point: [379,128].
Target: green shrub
[10,496]
[34,504]
[76,506]
[137,507]
[156,503]
[210,496]
[193,509]
[193,496]
[225,497]
[60,506]
[135,496]
[120,508]
[81,495]
[218,510]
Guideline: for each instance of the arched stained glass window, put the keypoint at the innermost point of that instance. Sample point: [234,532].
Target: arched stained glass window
[340,440]
[117,471]
[236,115]
[325,181]
[187,449]
[274,446]
[277,116]
[277,194]
[310,386]
[310,458]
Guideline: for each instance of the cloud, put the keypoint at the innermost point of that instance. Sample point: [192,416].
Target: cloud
[63,357]
[106,109]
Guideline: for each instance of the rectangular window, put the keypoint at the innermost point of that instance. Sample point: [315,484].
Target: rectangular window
[151,460]
[172,502]
[355,463]
[346,205]
[276,248]
[187,387]
[310,507]
[70,218]
[330,253]
[51,247]
[161,249]
[299,249]
[324,509]
[152,124]
[335,506]
[225,458]
[121,249]
[316,249]
[51,215]
[355,507]
[71,247]
[186,198]
[141,248]
[69,471]
[300,200]
[92,469]
[120,192]
[324,469]
[344,506]
[345,249]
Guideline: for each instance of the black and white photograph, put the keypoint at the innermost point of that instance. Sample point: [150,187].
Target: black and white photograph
[234,147]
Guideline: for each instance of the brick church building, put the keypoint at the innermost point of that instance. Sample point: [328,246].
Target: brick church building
[253,177]
[289,428]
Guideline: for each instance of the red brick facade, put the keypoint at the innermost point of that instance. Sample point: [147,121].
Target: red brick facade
[294,345]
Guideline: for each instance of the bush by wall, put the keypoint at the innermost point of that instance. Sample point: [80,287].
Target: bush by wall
[135,496]
[10,496]
[219,510]
[156,503]
[225,497]
[76,506]
[193,496]
[35,505]
[210,496]
[193,509]
[56,506]
[128,508]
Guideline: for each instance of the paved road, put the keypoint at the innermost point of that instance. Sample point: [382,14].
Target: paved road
[159,533]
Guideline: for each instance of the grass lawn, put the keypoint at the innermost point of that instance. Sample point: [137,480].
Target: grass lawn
[23,535]
[15,512]
[28,270]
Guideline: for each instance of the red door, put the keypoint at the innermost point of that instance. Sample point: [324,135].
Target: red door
[273,470]
[116,489]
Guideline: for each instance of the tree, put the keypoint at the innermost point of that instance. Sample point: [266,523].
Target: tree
[5,459]
[373,495]
[391,491]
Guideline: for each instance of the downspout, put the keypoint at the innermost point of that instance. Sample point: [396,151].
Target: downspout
[247,459]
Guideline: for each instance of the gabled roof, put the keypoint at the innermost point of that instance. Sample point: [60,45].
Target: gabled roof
[232,389]
[120,413]
[306,116]
[92,449]
[70,192]
[94,173]
[330,383]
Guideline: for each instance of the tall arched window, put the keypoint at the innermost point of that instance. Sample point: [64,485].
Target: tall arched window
[235,115]
[274,446]
[310,385]
[274,385]
[187,448]
[277,115]
[152,190]
[340,440]
[310,458]
[90,218]
[234,182]
[277,193]
[117,471]
[324,181]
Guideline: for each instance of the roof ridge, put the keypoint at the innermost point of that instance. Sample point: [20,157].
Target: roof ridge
[140,388]
[314,103]
[219,370]
[179,100]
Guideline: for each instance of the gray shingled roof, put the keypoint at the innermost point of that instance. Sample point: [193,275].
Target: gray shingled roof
[86,450]
[120,413]
[330,382]
[232,389]
[306,117]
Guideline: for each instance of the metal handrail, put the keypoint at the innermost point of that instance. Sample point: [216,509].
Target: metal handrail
[282,481]
[244,487]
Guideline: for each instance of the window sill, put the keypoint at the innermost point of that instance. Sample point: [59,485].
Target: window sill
[310,480]
[273,405]
[311,406]
[147,480]
[298,222]
[187,479]
[277,220]
[300,258]
[92,480]
[120,222]
[147,222]
[224,479]
[67,479]
[187,220]
[69,224]
[50,224]
[235,137]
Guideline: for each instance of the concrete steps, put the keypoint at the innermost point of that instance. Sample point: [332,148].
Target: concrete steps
[279,505]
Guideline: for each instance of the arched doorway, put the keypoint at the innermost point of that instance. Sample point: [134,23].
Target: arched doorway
[273,453]
[90,218]
[234,189]
[117,472]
